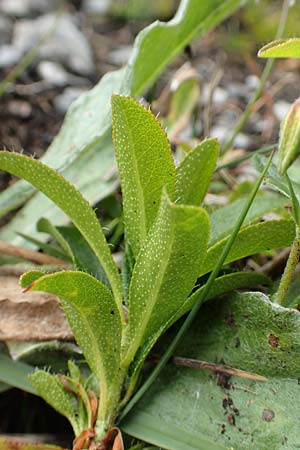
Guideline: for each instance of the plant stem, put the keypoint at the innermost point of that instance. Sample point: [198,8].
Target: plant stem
[203,295]
[289,270]
[264,78]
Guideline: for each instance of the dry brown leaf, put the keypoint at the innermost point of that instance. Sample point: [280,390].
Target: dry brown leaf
[33,316]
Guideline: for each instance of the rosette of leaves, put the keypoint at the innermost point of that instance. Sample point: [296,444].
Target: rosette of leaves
[171,243]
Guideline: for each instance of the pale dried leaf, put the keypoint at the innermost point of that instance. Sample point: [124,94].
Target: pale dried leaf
[33,316]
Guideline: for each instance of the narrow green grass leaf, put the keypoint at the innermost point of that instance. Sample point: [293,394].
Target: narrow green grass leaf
[145,166]
[72,203]
[95,321]
[52,391]
[194,174]
[257,238]
[15,373]
[166,270]
[282,48]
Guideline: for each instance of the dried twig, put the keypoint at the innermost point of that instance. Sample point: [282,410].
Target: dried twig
[29,255]
[215,368]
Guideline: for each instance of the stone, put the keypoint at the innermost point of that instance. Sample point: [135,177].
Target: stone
[9,55]
[65,42]
[63,101]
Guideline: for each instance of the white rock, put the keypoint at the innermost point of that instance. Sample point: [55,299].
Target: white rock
[65,42]
[53,72]
[5,30]
[9,55]
[21,8]
[281,108]
[120,56]
[253,82]
[96,6]
[220,96]
[63,102]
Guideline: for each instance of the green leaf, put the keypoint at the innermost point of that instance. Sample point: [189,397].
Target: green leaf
[47,248]
[192,19]
[282,48]
[95,321]
[295,202]
[94,186]
[50,388]
[15,373]
[54,354]
[84,142]
[223,284]
[166,270]
[45,226]
[223,219]
[72,203]
[86,260]
[253,239]
[145,166]
[194,174]
[30,277]
[194,411]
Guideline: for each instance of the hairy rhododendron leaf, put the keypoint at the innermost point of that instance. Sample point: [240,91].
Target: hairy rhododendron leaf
[253,239]
[193,175]
[72,203]
[50,388]
[95,321]
[282,48]
[166,269]
[200,411]
[145,166]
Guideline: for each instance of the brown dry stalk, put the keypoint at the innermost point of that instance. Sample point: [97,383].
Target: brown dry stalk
[29,255]
[216,368]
